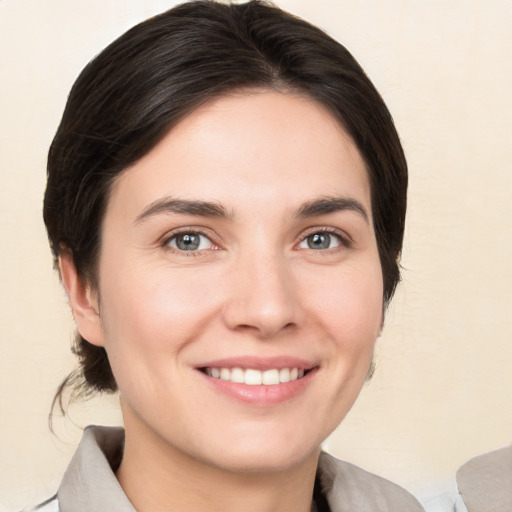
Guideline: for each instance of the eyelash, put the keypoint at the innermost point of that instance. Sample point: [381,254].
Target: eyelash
[344,240]
[188,231]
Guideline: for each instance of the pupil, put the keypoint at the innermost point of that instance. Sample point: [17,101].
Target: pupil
[318,241]
[187,242]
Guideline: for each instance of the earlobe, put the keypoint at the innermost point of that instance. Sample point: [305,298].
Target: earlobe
[83,300]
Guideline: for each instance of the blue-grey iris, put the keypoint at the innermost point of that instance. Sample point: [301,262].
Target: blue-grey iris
[188,242]
[319,241]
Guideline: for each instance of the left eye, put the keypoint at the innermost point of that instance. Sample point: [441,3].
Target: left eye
[190,242]
[321,241]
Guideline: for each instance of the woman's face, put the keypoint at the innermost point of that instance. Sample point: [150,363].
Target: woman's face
[240,289]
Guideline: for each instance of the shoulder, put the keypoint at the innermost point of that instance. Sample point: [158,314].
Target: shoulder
[486,479]
[349,488]
[496,463]
[50,505]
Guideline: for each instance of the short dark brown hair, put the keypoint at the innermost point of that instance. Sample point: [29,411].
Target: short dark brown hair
[145,82]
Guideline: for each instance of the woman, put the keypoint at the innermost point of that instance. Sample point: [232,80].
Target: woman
[225,203]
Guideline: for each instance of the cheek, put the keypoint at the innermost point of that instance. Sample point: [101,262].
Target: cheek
[153,308]
[349,302]
[350,313]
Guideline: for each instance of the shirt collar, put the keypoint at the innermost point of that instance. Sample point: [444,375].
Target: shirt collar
[90,483]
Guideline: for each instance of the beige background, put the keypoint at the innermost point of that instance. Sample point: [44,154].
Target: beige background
[443,387]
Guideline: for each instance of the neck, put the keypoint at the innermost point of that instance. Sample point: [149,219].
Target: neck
[157,477]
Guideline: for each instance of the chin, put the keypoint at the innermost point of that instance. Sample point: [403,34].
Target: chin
[265,453]
[266,461]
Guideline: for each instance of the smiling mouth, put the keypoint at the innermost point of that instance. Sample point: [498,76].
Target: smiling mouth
[252,377]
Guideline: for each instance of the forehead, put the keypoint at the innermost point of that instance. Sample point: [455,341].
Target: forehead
[250,144]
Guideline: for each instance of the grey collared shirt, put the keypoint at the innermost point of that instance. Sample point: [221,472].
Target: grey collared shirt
[485,482]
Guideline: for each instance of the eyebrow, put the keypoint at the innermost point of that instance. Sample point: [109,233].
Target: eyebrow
[181,206]
[317,207]
[326,205]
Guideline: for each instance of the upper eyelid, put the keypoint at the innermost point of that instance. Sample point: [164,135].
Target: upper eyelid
[345,242]
[325,229]
[169,235]
[214,239]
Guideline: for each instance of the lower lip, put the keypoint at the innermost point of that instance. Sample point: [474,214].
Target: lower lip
[264,396]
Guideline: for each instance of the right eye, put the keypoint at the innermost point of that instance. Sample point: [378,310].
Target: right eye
[189,242]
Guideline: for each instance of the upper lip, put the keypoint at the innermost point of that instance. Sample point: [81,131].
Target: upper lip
[259,363]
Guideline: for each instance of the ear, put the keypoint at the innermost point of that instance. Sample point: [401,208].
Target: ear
[83,299]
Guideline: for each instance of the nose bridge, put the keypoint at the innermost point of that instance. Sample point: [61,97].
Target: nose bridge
[263,296]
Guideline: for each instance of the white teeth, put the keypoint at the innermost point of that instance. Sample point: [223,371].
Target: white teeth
[237,375]
[270,377]
[284,375]
[252,377]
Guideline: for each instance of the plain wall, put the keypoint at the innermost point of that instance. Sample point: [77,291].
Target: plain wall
[442,391]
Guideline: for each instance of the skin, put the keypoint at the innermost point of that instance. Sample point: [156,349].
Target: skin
[254,288]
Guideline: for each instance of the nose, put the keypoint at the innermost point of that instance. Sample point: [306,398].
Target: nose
[263,298]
